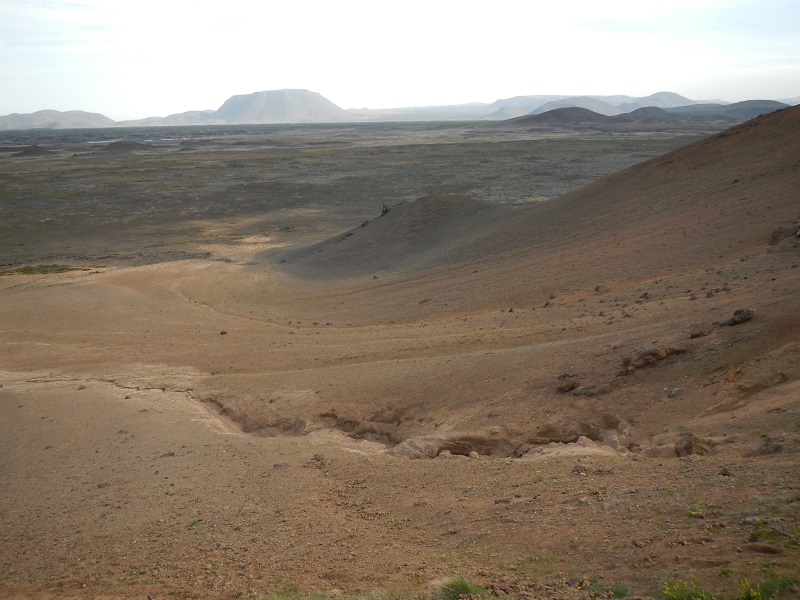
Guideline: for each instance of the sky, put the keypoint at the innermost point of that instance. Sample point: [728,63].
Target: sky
[139,58]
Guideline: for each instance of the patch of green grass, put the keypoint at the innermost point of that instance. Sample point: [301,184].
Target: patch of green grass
[41,270]
[597,588]
[619,591]
[457,588]
[194,523]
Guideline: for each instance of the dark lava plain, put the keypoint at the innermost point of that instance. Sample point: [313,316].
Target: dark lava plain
[145,195]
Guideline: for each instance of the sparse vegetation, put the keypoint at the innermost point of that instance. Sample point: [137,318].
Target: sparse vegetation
[457,589]
[771,588]
[41,270]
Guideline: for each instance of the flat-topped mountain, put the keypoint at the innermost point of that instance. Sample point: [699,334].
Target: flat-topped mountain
[55,119]
[279,106]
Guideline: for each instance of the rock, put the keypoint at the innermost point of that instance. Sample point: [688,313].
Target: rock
[724,472]
[740,315]
[609,504]
[610,438]
[647,356]
[421,447]
[690,444]
[782,442]
[474,455]
[580,469]
[568,385]
[595,389]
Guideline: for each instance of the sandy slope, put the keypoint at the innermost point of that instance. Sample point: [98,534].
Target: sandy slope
[216,429]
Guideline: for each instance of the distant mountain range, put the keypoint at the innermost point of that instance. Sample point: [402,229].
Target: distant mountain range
[304,106]
[576,115]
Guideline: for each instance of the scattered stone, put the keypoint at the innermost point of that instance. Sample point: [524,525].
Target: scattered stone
[317,461]
[610,504]
[223,333]
[647,356]
[81,387]
[421,447]
[474,455]
[689,444]
[580,469]
[740,315]
[782,442]
[673,393]
[594,389]
[168,454]
[724,472]
[698,333]
[567,384]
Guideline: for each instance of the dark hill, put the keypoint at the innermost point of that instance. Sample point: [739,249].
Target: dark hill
[561,116]
[646,114]
[746,109]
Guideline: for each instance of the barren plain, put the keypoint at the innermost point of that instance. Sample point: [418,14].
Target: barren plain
[357,359]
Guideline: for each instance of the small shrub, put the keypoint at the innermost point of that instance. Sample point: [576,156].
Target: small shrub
[619,591]
[457,588]
[676,589]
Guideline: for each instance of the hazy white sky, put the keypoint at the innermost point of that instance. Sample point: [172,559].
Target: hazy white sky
[138,58]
